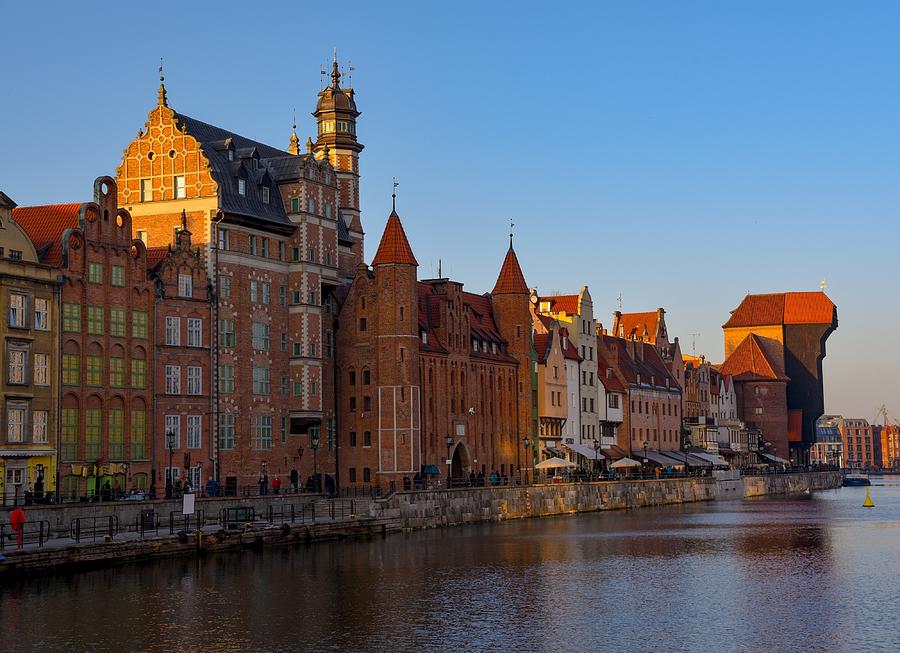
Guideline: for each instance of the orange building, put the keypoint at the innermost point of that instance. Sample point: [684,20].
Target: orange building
[858,443]
[890,446]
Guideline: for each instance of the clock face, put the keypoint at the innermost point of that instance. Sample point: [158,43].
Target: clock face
[534,299]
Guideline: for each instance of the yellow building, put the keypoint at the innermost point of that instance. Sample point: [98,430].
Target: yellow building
[30,388]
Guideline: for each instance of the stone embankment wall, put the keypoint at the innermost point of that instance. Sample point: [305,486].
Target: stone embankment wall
[771,484]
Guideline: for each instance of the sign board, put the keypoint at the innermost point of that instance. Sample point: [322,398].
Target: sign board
[449,461]
[460,430]
[187,507]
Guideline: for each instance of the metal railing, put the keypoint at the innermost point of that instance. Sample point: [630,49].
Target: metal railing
[179,520]
[85,527]
[32,533]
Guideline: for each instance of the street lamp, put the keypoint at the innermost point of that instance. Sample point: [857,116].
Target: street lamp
[300,465]
[687,443]
[170,445]
[646,444]
[526,442]
[314,443]
[596,452]
[448,440]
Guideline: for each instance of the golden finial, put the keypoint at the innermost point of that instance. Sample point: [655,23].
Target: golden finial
[823,285]
[294,147]
[309,146]
[161,96]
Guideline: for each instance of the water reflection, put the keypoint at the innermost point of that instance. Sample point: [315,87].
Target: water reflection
[807,574]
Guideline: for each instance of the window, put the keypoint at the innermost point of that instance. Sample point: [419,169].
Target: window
[295,297]
[613,400]
[117,276]
[92,434]
[194,332]
[284,385]
[179,187]
[117,372]
[313,389]
[352,438]
[142,235]
[367,377]
[42,369]
[116,433]
[261,427]
[226,332]
[146,190]
[71,317]
[138,373]
[194,431]
[226,431]
[329,344]
[313,350]
[225,287]
[367,439]
[95,320]
[260,336]
[223,239]
[266,292]
[298,349]
[185,285]
[117,322]
[280,250]
[298,388]
[71,372]
[362,324]
[295,205]
[41,314]
[173,379]
[226,379]
[194,380]
[253,246]
[18,357]
[759,410]
[138,324]
[260,380]
[69,433]
[173,426]
[254,291]
[242,186]
[94,370]
[173,331]
[352,404]
[264,251]
[282,295]
[39,427]
[15,421]
[367,475]
[95,272]
[17,303]
[311,205]
[138,434]
[311,254]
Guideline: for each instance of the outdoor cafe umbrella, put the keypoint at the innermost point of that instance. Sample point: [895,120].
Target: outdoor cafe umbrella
[625,462]
[555,463]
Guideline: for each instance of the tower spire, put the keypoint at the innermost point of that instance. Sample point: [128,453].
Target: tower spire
[335,72]
[511,225]
[294,147]
[394,198]
[161,94]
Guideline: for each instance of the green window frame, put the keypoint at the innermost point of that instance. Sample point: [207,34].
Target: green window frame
[138,435]
[117,322]
[117,372]
[116,434]
[94,369]
[72,317]
[227,439]
[95,315]
[226,379]
[69,434]
[92,434]
[95,272]
[71,369]
[117,276]
[138,373]
[138,324]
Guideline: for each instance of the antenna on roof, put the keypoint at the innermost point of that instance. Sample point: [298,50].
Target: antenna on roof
[161,77]
[823,285]
[439,269]
[394,196]
[619,302]
[294,121]
[511,225]
[350,70]
[321,76]
[693,343]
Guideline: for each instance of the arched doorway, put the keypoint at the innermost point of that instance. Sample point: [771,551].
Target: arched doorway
[459,468]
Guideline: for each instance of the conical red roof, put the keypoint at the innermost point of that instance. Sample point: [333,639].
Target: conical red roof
[511,280]
[394,246]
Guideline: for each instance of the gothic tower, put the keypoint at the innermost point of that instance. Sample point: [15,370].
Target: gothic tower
[336,116]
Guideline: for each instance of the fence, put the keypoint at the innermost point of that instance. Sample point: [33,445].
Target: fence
[84,527]
[33,533]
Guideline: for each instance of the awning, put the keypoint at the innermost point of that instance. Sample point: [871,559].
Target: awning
[716,460]
[614,453]
[625,462]
[26,453]
[660,458]
[582,450]
[431,469]
[774,458]
[555,463]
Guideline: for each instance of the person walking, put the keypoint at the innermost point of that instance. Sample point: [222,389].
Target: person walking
[276,485]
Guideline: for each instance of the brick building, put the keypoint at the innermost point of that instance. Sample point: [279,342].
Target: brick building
[107,336]
[552,348]
[857,442]
[421,362]
[890,446]
[29,330]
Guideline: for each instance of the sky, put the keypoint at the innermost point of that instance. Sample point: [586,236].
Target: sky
[674,154]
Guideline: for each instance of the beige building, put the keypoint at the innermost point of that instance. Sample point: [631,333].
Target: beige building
[30,389]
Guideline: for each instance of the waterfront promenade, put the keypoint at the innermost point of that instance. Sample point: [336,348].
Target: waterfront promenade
[98,534]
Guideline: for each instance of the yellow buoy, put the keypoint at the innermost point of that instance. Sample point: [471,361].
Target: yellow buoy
[868,502]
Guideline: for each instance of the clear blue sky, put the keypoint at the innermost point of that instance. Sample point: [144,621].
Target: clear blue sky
[680,154]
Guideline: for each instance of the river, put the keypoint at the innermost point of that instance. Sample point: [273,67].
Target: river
[811,573]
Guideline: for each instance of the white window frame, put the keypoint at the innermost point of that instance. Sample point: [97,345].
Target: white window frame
[194,380]
[194,332]
[173,331]
[173,425]
[185,285]
[265,195]
[18,302]
[39,426]
[173,379]
[41,314]
[242,186]
[194,432]
[41,369]
[15,421]
[180,192]
[146,190]
[18,362]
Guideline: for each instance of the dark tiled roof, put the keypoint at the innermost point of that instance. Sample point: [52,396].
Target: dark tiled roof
[45,226]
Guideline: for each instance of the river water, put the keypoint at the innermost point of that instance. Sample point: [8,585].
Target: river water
[812,573]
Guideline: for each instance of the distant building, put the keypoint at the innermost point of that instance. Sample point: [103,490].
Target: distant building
[29,332]
[789,330]
[828,448]
[857,442]
[552,389]
[890,446]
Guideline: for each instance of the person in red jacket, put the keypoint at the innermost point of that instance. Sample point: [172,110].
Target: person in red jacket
[276,485]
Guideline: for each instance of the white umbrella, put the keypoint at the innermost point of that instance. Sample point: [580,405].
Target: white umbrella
[625,462]
[555,463]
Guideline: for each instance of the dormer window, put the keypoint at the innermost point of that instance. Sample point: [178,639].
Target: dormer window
[242,186]
[265,195]
[230,154]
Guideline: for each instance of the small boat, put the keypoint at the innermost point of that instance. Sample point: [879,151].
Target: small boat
[856,480]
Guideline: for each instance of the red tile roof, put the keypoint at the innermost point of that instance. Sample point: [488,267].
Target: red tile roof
[569,350]
[45,226]
[650,367]
[783,308]
[562,303]
[511,280]
[611,382]
[751,362]
[628,325]
[542,346]
[394,246]
[155,255]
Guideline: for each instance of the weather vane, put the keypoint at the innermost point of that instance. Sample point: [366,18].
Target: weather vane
[823,285]
[394,194]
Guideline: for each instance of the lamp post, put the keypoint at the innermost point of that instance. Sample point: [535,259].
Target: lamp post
[314,443]
[646,444]
[526,442]
[687,443]
[170,445]
[449,442]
